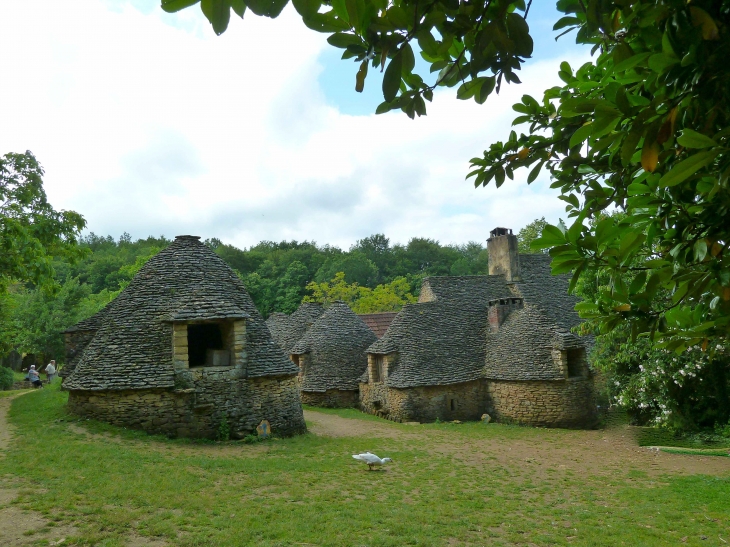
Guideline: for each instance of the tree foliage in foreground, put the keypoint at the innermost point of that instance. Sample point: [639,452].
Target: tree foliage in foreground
[473,45]
[644,129]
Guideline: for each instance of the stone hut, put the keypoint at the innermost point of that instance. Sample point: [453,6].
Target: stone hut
[378,322]
[287,330]
[499,344]
[331,357]
[180,350]
[77,337]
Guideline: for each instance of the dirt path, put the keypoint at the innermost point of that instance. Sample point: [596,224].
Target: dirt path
[17,526]
[606,452]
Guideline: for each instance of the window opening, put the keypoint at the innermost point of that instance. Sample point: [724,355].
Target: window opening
[576,362]
[378,368]
[201,338]
[452,404]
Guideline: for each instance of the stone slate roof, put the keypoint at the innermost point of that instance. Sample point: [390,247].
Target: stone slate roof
[465,288]
[445,338]
[522,347]
[336,343]
[132,348]
[287,330]
[90,323]
[438,343]
[378,322]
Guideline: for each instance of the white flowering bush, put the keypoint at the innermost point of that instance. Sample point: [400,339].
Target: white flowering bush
[687,391]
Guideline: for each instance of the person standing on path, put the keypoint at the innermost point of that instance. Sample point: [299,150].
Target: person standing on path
[51,371]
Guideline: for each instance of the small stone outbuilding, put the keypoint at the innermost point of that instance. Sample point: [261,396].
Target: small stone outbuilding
[499,344]
[331,357]
[287,330]
[181,350]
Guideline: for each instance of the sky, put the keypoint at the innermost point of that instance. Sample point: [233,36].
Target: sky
[147,123]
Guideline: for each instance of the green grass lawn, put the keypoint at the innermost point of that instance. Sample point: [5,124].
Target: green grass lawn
[308,490]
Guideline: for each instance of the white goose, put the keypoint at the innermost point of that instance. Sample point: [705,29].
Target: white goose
[371,459]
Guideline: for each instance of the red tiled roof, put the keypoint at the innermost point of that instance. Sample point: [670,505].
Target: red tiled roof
[378,322]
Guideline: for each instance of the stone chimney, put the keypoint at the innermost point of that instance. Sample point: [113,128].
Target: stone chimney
[503,256]
[499,310]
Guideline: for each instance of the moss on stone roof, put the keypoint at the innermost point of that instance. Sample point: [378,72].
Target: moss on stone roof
[132,348]
[336,343]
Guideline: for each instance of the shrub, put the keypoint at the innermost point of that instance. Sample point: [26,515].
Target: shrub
[6,378]
[224,430]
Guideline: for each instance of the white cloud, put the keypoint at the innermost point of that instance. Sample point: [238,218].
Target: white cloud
[148,123]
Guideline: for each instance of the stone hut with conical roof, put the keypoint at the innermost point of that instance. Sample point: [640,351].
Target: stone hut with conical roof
[287,330]
[181,351]
[331,357]
[499,344]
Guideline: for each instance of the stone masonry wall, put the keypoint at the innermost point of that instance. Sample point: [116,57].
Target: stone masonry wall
[332,398]
[564,403]
[465,401]
[198,411]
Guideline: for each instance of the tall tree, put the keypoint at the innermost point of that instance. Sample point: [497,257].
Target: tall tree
[32,232]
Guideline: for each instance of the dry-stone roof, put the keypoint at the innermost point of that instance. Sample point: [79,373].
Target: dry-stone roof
[445,338]
[132,348]
[90,323]
[438,343]
[336,343]
[378,322]
[287,330]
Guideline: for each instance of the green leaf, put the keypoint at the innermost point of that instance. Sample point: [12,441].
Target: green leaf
[630,144]
[356,12]
[486,88]
[307,8]
[325,22]
[218,13]
[468,89]
[340,8]
[631,62]
[384,107]
[392,77]
[659,62]
[700,250]
[551,236]
[267,8]
[581,134]
[693,139]
[239,7]
[687,167]
[535,172]
[342,40]
[566,22]
[171,6]
[409,61]
[427,42]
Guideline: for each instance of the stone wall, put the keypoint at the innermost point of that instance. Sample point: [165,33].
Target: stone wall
[563,403]
[197,411]
[332,398]
[465,401]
